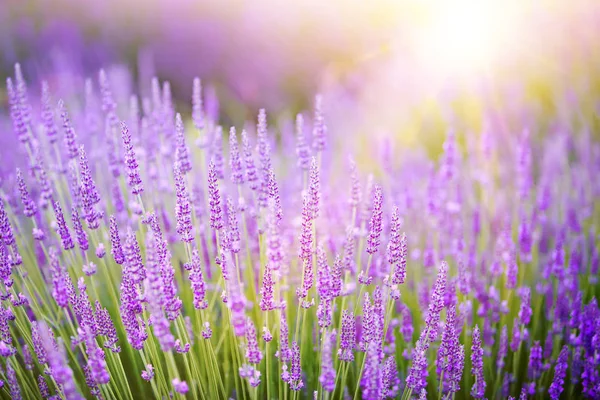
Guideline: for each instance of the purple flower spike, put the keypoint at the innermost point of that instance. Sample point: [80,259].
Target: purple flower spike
[70,136]
[217,153]
[183,209]
[347,337]
[80,234]
[478,389]
[327,377]
[13,383]
[319,127]
[235,160]
[216,217]
[16,115]
[253,354]
[302,148]
[525,310]
[374,238]
[295,378]
[306,239]
[251,173]
[63,230]
[133,170]
[267,301]
[560,372]
[437,302]
[115,241]
[29,207]
[48,114]
[197,106]
[284,353]
[314,189]
[197,281]
[182,152]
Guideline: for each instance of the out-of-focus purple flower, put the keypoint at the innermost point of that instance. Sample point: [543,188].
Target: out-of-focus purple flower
[327,377]
[47,114]
[251,173]
[148,373]
[59,279]
[57,361]
[525,310]
[502,348]
[197,106]
[560,372]
[347,336]
[371,382]
[96,362]
[180,386]
[319,126]
[478,389]
[253,354]
[302,148]
[16,114]
[235,160]
[284,353]
[295,378]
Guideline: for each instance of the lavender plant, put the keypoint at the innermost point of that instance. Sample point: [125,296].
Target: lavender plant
[136,265]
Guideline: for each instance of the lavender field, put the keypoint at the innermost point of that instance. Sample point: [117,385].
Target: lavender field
[177,239]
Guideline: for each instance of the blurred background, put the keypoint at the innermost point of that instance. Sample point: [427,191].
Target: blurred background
[410,66]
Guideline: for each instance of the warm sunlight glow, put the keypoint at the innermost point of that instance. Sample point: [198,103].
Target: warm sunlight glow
[466,36]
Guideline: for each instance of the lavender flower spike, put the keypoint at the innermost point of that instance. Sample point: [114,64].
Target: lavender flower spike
[133,170]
